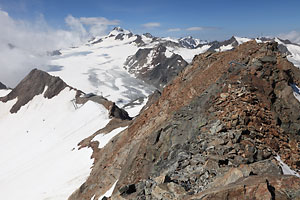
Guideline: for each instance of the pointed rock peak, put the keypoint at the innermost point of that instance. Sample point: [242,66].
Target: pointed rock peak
[118,30]
[34,84]
[241,40]
[148,35]
[160,48]
[189,42]
[2,86]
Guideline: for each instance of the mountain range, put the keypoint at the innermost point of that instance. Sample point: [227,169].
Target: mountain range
[127,116]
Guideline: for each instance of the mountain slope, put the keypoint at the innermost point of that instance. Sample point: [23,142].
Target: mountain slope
[225,117]
[42,121]
[97,67]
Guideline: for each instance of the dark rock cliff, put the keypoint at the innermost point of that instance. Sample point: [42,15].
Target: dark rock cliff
[34,84]
[2,86]
[152,65]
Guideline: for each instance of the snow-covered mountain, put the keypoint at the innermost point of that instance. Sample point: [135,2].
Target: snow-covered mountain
[46,117]
[156,66]
[42,121]
[40,130]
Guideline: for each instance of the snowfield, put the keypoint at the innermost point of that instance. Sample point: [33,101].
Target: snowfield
[98,68]
[38,149]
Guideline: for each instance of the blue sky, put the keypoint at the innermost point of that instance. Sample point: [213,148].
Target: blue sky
[213,19]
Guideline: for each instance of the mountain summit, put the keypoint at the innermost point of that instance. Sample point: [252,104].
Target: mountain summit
[35,83]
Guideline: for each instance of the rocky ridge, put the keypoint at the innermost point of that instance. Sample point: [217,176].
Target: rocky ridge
[34,84]
[214,131]
[38,82]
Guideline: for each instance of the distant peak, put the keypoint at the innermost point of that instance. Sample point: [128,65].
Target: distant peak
[148,35]
[34,84]
[118,30]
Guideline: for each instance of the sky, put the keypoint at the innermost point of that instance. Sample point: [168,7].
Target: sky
[210,20]
[37,26]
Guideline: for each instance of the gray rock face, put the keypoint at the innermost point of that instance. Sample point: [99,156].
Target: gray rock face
[2,86]
[216,44]
[154,67]
[190,42]
[34,84]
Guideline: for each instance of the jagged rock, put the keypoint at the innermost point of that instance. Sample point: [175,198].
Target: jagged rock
[114,110]
[190,42]
[256,187]
[216,44]
[34,84]
[152,99]
[54,53]
[2,86]
[154,67]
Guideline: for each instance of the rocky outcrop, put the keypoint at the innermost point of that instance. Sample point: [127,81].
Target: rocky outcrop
[191,43]
[213,132]
[256,187]
[2,86]
[154,67]
[114,110]
[216,45]
[34,84]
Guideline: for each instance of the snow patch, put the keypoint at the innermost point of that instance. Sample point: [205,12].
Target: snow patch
[103,139]
[168,53]
[188,54]
[4,92]
[241,40]
[225,48]
[109,192]
[295,51]
[296,91]
[286,170]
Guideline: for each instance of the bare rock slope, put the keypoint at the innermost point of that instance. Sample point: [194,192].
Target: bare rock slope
[213,133]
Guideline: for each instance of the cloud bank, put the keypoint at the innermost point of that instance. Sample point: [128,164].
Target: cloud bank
[293,36]
[24,45]
[174,29]
[151,25]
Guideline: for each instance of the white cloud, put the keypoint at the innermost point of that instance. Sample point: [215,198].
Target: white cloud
[201,28]
[195,28]
[293,36]
[151,25]
[98,20]
[23,44]
[174,29]
[97,25]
